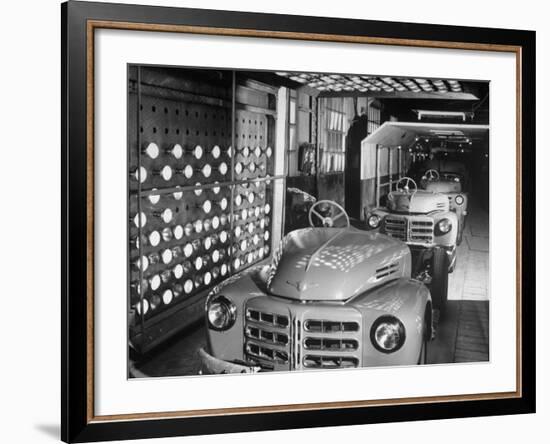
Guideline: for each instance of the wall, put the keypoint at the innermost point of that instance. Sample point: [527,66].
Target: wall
[29,376]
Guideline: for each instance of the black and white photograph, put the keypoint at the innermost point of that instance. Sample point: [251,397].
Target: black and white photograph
[296,221]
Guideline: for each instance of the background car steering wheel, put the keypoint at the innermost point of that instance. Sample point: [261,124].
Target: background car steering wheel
[327,221]
[406,181]
[431,175]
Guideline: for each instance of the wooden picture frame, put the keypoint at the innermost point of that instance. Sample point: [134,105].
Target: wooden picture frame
[79,22]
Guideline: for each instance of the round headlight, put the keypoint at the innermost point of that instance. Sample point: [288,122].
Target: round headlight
[374,221]
[221,313]
[459,199]
[444,226]
[387,334]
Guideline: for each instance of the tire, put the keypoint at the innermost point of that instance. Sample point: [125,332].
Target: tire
[440,280]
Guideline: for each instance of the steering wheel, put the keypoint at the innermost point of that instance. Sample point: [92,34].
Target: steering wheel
[327,221]
[404,185]
[431,175]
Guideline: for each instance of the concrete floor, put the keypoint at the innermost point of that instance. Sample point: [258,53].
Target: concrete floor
[463,336]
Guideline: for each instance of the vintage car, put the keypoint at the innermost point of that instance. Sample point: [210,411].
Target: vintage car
[450,184]
[333,296]
[424,220]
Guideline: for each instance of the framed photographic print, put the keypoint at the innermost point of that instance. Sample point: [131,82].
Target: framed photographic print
[276,221]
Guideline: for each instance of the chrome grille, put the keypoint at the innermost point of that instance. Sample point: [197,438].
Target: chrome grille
[267,337]
[414,229]
[323,326]
[331,344]
[322,361]
[396,227]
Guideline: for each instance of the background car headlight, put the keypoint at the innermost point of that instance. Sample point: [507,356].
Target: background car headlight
[221,313]
[444,226]
[374,221]
[387,334]
[459,199]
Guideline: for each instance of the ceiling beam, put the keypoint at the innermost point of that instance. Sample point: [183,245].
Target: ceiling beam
[401,95]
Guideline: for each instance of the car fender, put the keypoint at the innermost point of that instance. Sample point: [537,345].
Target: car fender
[409,301]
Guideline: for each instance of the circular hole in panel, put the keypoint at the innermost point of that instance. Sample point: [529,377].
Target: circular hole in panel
[223,237]
[177,194]
[215,256]
[152,150]
[141,174]
[167,215]
[166,234]
[178,232]
[238,167]
[198,226]
[244,245]
[237,264]
[145,304]
[198,263]
[167,296]
[215,222]
[251,197]
[207,243]
[167,256]
[206,170]
[223,203]
[269,151]
[238,200]
[207,278]
[216,151]
[188,229]
[216,189]
[155,282]
[188,171]
[237,231]
[266,235]
[223,269]
[188,286]
[267,208]
[154,238]
[207,206]
[198,152]
[188,250]
[166,173]
[223,168]
[177,151]
[154,198]
[198,190]
[178,271]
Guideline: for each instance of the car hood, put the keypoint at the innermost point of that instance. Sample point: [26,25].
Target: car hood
[335,264]
[444,186]
[419,201]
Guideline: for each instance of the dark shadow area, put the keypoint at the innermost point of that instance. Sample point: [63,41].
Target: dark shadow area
[51,430]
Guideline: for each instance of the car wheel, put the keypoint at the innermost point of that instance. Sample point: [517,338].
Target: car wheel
[440,280]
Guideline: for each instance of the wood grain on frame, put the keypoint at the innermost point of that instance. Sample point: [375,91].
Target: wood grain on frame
[98,24]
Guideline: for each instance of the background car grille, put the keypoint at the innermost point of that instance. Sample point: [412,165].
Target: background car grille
[416,229]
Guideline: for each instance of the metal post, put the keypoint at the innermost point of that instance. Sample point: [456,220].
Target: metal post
[377,176]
